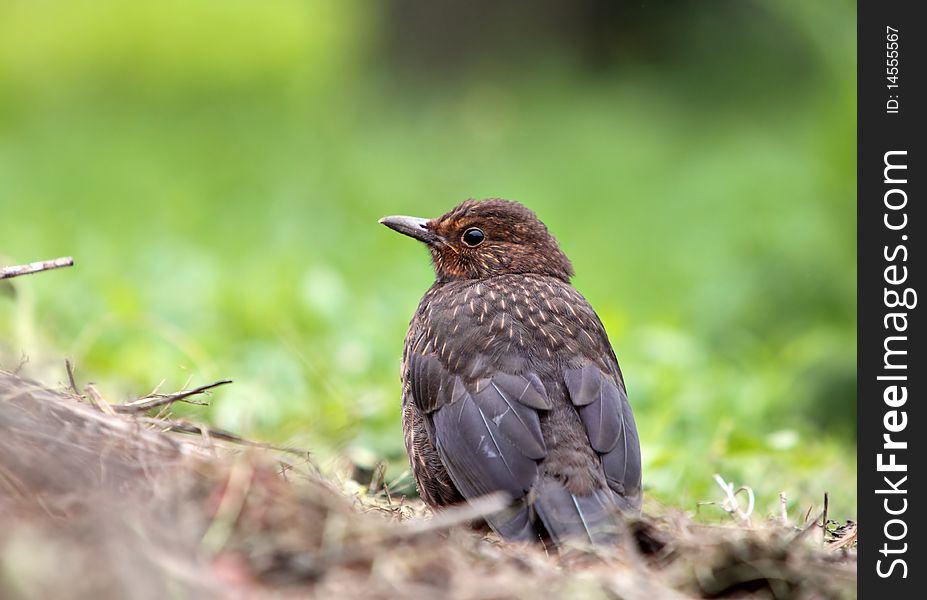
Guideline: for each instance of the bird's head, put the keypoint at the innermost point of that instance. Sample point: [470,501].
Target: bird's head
[484,238]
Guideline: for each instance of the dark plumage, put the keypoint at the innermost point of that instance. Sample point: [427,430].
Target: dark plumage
[509,381]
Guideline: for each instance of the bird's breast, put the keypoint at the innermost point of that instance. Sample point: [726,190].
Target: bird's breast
[503,319]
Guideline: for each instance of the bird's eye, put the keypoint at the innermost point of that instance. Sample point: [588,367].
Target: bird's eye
[473,237]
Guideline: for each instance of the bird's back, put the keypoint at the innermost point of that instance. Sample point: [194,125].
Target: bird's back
[510,383]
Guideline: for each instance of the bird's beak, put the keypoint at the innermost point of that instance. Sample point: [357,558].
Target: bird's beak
[413,227]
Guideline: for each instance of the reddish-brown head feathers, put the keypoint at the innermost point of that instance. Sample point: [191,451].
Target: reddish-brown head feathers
[483,238]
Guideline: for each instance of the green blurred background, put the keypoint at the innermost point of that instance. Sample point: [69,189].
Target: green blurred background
[217,169]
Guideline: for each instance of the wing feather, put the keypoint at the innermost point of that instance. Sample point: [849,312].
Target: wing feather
[606,414]
[478,456]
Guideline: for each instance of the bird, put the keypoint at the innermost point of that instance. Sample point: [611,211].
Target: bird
[510,383]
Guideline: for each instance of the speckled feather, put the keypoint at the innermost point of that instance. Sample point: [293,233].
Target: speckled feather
[510,383]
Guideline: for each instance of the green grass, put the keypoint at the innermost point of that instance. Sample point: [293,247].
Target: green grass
[220,196]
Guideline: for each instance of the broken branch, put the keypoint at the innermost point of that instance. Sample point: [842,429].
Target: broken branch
[44,265]
[146,403]
[220,434]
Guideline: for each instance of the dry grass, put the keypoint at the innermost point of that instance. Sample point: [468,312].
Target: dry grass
[99,501]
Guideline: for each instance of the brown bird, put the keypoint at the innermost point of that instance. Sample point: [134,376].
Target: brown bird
[509,381]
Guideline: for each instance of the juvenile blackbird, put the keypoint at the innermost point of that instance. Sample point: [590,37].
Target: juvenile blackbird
[509,381]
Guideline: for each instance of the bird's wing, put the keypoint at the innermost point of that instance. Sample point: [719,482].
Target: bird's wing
[605,412]
[596,388]
[487,432]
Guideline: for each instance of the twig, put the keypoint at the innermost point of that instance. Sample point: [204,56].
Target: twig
[389,497]
[377,479]
[220,434]
[847,539]
[416,529]
[155,400]
[783,512]
[207,441]
[97,399]
[824,520]
[730,504]
[751,499]
[459,514]
[44,265]
[807,515]
[69,367]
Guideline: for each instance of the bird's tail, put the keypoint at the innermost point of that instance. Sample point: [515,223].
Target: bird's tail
[515,523]
[594,518]
[552,512]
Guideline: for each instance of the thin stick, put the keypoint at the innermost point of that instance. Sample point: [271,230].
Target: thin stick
[730,504]
[443,520]
[219,434]
[97,399]
[69,367]
[44,265]
[783,512]
[847,539]
[154,400]
[377,478]
[461,513]
[824,519]
[807,515]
